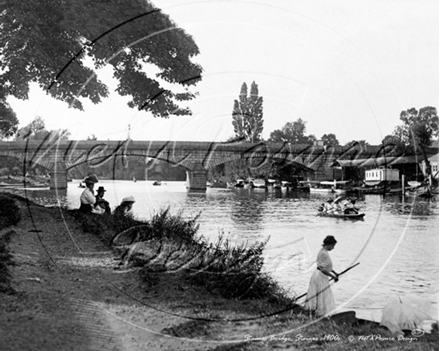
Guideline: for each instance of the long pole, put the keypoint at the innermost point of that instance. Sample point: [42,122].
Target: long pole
[403,184]
[351,267]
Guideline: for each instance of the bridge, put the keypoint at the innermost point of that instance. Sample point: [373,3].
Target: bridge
[196,157]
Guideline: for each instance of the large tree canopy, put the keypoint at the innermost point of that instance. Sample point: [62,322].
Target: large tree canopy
[418,130]
[48,41]
[247,114]
[292,132]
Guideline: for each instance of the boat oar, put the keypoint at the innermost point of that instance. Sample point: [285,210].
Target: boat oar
[351,267]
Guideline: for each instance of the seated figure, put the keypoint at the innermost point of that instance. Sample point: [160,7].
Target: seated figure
[104,204]
[125,207]
[87,197]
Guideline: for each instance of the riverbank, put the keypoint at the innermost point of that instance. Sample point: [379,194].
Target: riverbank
[69,291]
[20,181]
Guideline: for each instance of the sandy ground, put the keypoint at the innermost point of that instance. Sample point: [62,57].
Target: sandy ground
[70,296]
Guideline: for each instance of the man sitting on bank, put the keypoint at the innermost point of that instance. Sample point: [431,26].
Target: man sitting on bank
[104,204]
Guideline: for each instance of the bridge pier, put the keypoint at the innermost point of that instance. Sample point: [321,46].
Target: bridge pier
[58,176]
[196,179]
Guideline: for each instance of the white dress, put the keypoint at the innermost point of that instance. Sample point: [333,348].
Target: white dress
[319,296]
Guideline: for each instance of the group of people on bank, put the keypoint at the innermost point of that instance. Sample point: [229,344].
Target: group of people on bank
[96,204]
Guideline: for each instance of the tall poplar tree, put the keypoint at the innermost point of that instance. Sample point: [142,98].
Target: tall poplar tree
[247,114]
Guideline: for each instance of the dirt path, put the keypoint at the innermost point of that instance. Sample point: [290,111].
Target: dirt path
[70,297]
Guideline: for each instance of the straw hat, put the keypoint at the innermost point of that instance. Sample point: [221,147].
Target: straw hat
[128,199]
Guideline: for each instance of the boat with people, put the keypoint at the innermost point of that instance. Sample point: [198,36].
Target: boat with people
[157,182]
[341,207]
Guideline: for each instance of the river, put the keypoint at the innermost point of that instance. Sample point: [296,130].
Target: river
[396,243]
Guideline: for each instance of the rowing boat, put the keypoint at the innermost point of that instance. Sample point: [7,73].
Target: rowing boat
[342,215]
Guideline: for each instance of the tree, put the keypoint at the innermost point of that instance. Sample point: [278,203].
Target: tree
[419,127]
[417,132]
[247,114]
[362,143]
[36,130]
[8,120]
[292,132]
[48,42]
[330,140]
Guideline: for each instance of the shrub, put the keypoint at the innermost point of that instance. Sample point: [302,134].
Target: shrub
[9,212]
[5,262]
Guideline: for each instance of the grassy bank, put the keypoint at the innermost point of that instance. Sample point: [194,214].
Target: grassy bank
[199,290]
[171,244]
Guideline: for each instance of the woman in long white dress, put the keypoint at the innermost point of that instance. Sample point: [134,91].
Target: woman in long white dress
[320,300]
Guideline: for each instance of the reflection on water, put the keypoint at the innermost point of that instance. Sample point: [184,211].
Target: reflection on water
[396,243]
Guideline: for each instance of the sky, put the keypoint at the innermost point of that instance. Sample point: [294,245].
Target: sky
[346,67]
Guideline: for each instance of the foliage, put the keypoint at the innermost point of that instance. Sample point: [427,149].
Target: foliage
[232,271]
[419,127]
[118,167]
[6,260]
[8,119]
[9,212]
[36,130]
[330,139]
[417,132]
[53,43]
[361,143]
[165,225]
[247,114]
[292,132]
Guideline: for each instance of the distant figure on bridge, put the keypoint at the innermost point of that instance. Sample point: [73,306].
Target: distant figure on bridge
[125,207]
[104,204]
[87,197]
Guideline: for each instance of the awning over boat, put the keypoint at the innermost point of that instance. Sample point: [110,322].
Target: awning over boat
[378,161]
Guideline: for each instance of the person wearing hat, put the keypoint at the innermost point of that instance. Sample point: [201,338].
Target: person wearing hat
[99,200]
[125,207]
[87,197]
[320,300]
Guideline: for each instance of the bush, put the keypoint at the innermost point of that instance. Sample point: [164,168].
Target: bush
[236,272]
[5,262]
[9,212]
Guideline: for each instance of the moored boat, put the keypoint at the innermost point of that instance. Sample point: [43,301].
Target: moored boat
[259,183]
[239,183]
